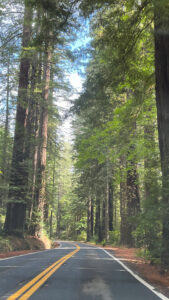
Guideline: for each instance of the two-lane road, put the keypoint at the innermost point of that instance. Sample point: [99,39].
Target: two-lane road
[72,272]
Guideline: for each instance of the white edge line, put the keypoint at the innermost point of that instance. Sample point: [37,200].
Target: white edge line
[149,286]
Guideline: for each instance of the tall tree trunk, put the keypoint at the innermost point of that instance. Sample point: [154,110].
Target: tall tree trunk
[89,217]
[31,138]
[110,205]
[162,101]
[133,200]
[103,216]
[35,147]
[51,224]
[150,165]
[53,194]
[92,221]
[15,215]
[123,203]
[107,204]
[41,161]
[58,216]
[98,219]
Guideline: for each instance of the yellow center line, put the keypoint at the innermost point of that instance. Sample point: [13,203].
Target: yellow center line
[49,271]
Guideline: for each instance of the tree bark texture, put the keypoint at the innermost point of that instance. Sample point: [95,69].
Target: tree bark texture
[123,203]
[16,207]
[133,200]
[41,160]
[107,204]
[162,102]
[89,218]
[110,205]
[98,219]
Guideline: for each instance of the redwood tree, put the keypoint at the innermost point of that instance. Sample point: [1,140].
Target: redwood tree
[162,100]
[16,207]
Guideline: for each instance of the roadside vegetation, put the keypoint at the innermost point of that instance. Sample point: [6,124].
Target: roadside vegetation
[110,185]
[18,245]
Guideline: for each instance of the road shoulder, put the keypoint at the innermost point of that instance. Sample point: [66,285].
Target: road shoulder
[142,268]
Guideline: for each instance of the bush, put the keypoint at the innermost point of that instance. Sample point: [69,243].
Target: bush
[5,245]
[82,236]
[148,236]
[103,243]
[114,237]
[2,220]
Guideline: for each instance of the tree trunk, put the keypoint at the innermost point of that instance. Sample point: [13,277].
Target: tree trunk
[36,81]
[31,138]
[110,205]
[123,203]
[89,218]
[103,220]
[41,160]
[58,218]
[98,221]
[150,165]
[51,224]
[107,205]
[133,200]
[92,221]
[162,101]
[15,215]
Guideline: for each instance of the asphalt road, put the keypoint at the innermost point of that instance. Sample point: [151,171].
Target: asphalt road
[71,272]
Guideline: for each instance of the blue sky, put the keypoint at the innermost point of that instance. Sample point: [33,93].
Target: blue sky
[76,75]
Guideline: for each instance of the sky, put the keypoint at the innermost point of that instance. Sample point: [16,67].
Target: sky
[65,129]
[76,78]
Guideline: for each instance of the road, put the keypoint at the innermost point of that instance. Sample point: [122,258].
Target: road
[74,271]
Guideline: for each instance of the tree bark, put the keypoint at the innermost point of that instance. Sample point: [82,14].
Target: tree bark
[51,224]
[123,203]
[110,205]
[36,82]
[133,200]
[89,218]
[162,102]
[98,219]
[41,160]
[107,204]
[16,207]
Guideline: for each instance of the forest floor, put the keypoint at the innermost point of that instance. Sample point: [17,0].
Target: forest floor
[150,273]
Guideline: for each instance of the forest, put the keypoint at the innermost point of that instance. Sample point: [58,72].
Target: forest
[109,182]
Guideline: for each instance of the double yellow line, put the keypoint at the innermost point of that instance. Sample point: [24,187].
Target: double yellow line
[32,286]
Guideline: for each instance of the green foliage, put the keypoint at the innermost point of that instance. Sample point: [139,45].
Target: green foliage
[5,244]
[148,233]
[82,236]
[114,237]
[116,114]
[146,254]
[2,219]
[103,243]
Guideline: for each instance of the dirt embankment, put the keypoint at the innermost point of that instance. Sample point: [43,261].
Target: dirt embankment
[12,246]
